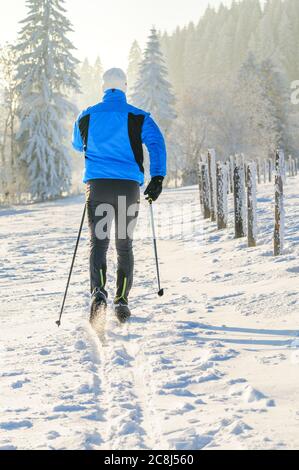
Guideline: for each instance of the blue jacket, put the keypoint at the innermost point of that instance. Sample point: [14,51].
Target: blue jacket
[111,135]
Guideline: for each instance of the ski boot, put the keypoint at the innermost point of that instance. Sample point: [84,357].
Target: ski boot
[98,302]
[122,310]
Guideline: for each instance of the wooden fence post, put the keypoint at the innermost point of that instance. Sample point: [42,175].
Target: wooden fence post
[232,169]
[231,173]
[205,188]
[251,204]
[212,180]
[290,166]
[270,169]
[279,204]
[280,164]
[258,170]
[243,163]
[200,185]
[222,190]
[227,166]
[239,201]
[265,170]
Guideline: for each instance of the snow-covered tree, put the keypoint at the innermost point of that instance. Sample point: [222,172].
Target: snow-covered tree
[90,83]
[223,80]
[252,105]
[45,74]
[190,130]
[135,59]
[97,78]
[8,60]
[153,91]
[276,91]
[173,48]
[85,72]
[248,19]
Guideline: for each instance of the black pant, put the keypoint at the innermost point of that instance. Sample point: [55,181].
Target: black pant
[108,200]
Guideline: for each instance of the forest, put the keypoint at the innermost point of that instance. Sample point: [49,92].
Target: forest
[228,82]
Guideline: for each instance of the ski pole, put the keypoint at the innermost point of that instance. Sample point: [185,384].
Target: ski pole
[160,291]
[72,265]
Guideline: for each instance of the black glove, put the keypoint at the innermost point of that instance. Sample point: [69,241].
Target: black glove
[154,189]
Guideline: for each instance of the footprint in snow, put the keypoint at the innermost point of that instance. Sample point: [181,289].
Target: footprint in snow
[13,425]
[229,354]
[53,435]
[85,388]
[276,359]
[191,441]
[68,408]
[199,401]
[191,310]
[80,345]
[45,352]
[19,383]
[12,374]
[237,381]
[239,428]
[182,410]
[186,279]
[251,395]
[93,439]
[209,333]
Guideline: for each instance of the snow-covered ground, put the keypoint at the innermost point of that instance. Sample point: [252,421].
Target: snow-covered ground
[212,365]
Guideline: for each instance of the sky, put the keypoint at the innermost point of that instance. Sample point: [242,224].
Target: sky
[108,28]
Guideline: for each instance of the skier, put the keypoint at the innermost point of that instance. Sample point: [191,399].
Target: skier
[111,135]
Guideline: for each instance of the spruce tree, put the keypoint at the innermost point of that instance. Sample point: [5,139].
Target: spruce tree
[287,35]
[153,91]
[97,78]
[276,91]
[94,83]
[85,72]
[254,109]
[135,58]
[90,83]
[173,48]
[45,75]
[249,17]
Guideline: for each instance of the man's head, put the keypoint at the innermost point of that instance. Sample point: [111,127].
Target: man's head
[115,79]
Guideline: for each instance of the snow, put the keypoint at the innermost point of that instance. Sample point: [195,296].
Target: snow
[212,365]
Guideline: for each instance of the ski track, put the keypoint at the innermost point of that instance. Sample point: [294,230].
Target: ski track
[212,365]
